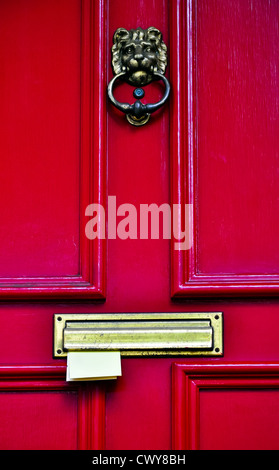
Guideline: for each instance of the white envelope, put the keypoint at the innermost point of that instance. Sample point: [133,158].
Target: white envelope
[93,365]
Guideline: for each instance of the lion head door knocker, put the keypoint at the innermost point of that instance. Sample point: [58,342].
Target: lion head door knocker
[138,57]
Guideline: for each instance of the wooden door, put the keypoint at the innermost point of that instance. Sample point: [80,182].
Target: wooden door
[214,146]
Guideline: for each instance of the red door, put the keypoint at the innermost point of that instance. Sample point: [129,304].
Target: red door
[215,146]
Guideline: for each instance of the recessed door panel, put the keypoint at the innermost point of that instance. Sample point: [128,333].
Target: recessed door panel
[50,149]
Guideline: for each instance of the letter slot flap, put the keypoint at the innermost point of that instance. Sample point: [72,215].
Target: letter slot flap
[136,334]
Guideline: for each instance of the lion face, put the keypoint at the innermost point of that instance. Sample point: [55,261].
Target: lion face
[139,53]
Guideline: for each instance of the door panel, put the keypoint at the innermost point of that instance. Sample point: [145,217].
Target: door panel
[228,115]
[237,132]
[41,98]
[252,414]
[40,411]
[53,155]
[229,406]
[215,146]
[58,411]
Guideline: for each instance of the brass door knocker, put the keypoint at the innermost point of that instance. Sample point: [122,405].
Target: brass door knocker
[138,57]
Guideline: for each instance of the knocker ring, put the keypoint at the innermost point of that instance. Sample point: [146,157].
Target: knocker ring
[138,57]
[138,113]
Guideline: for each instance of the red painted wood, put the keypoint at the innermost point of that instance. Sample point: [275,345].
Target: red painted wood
[225,107]
[56,410]
[69,416]
[251,414]
[138,406]
[91,420]
[143,408]
[56,165]
[225,406]
[40,120]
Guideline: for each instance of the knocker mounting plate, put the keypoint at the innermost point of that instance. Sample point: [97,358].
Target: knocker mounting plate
[138,57]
